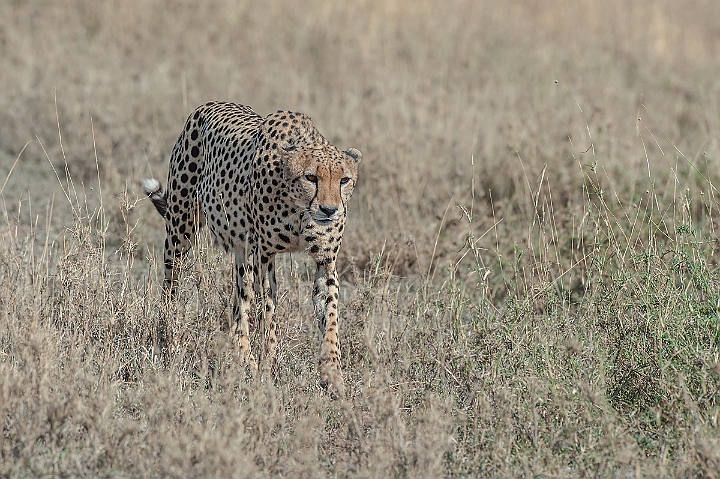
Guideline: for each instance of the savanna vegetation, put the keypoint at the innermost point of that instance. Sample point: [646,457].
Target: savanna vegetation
[529,274]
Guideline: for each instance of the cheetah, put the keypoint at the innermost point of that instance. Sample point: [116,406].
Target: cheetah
[263,186]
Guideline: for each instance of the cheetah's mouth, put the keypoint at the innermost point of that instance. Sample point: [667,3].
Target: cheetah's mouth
[325,220]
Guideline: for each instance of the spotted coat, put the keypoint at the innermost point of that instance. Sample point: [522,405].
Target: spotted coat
[263,186]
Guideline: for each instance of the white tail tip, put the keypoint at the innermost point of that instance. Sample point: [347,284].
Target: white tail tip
[151,186]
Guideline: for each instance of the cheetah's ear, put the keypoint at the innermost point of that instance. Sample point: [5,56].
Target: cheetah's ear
[354,153]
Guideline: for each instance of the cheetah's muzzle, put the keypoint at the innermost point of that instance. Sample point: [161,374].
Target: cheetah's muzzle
[327,215]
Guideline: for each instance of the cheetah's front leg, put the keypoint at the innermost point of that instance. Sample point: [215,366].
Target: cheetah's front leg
[269,323]
[325,298]
[244,300]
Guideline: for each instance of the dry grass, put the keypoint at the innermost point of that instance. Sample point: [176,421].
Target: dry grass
[530,272]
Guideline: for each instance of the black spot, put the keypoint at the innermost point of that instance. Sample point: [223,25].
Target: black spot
[192,167]
[284,238]
[195,151]
[314,249]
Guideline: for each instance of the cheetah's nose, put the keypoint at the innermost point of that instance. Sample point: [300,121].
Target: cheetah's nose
[329,210]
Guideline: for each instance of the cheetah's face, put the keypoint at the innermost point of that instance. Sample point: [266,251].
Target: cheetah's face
[321,179]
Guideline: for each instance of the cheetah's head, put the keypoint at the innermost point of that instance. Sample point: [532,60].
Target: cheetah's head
[321,179]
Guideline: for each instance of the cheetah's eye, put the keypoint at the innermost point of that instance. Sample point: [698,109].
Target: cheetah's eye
[345,180]
[311,178]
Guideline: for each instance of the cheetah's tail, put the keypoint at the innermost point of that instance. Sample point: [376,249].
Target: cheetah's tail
[155,191]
